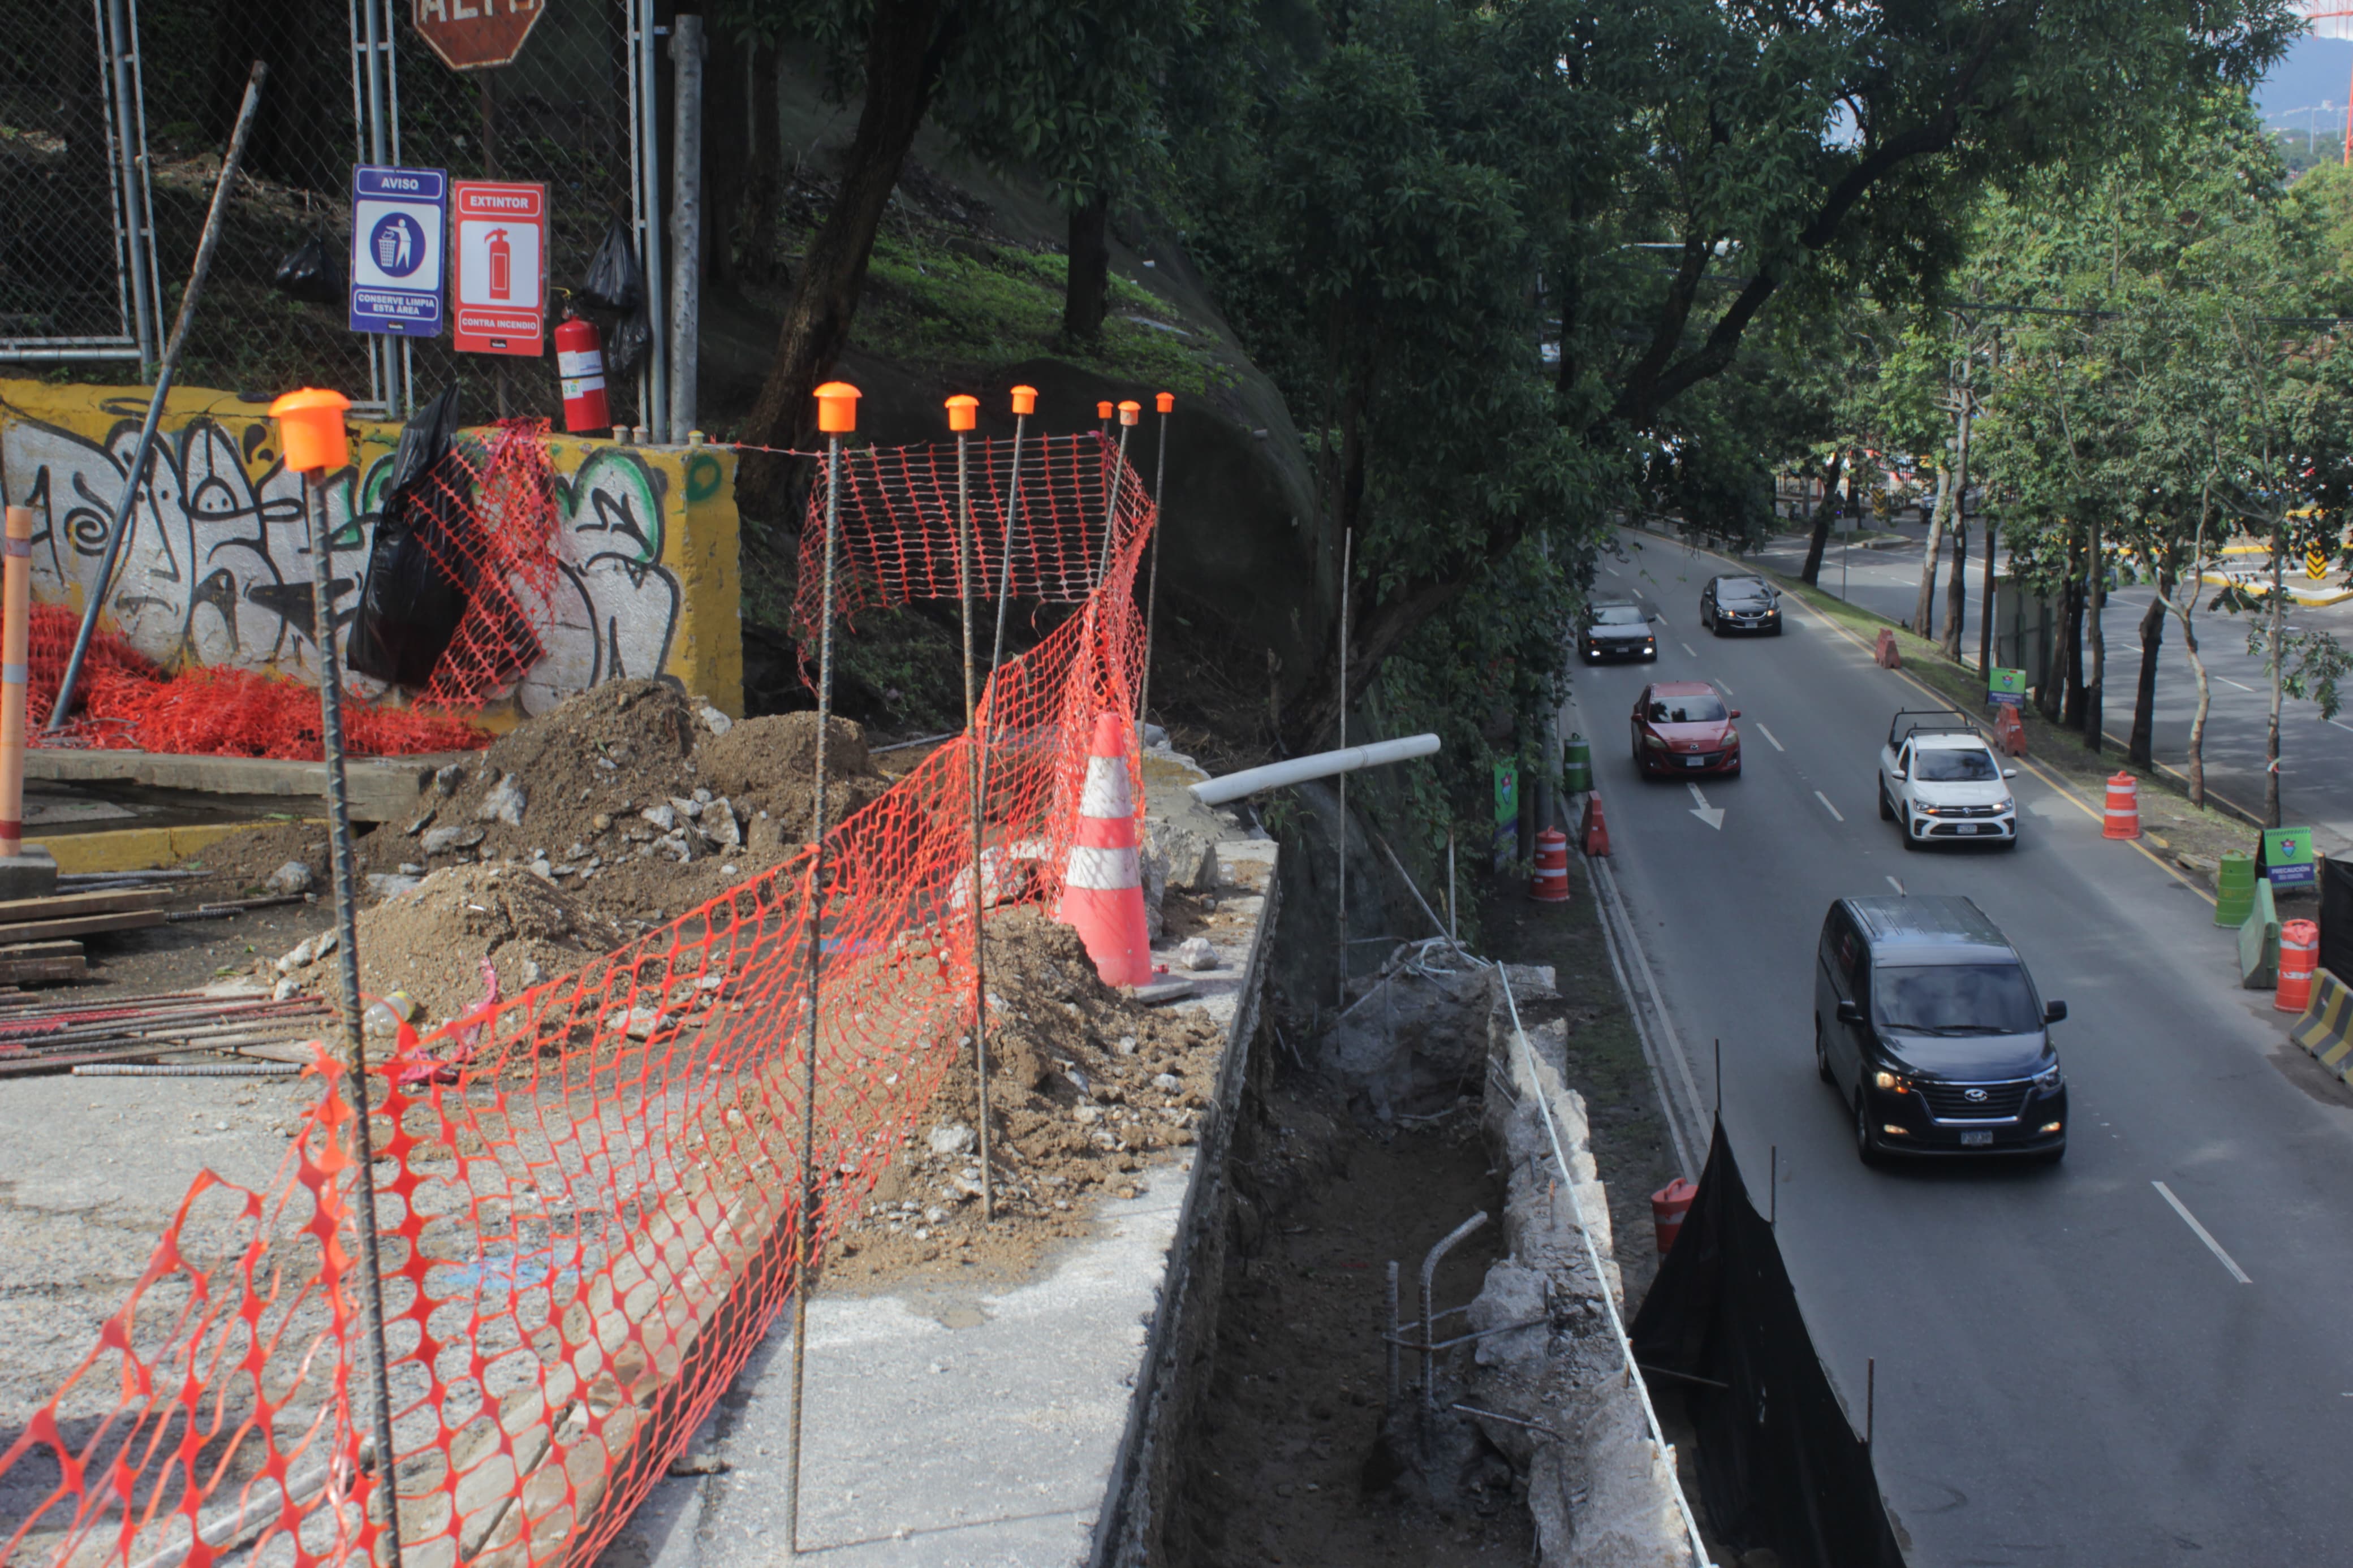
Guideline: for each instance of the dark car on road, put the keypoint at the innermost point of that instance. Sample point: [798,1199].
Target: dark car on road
[1683,727]
[1929,1025]
[1616,631]
[1739,604]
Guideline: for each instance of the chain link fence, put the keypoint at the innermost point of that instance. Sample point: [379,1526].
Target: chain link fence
[273,314]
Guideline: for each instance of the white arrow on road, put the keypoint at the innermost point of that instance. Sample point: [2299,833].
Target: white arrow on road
[1710,815]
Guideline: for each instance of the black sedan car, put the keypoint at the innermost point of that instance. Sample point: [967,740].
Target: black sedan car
[1616,631]
[1739,604]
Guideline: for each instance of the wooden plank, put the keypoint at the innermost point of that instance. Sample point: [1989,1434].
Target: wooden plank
[60,905]
[20,971]
[81,925]
[23,950]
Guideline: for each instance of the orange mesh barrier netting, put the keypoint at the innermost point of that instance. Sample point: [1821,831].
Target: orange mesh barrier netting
[591,1217]
[499,488]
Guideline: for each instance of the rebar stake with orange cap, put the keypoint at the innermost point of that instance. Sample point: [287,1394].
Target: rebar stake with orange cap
[964,413]
[312,443]
[1129,413]
[836,415]
[1166,403]
[1024,403]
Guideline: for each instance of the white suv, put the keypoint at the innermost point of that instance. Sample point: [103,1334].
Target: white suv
[1943,782]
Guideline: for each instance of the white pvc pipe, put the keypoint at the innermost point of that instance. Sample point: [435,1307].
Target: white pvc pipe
[1320,765]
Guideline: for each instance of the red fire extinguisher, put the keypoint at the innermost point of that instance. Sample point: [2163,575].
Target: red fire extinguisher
[502,264]
[580,360]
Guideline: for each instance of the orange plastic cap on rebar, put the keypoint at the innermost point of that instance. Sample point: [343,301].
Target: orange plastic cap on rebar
[1025,400]
[1164,401]
[964,412]
[837,408]
[311,430]
[1130,412]
[1102,410]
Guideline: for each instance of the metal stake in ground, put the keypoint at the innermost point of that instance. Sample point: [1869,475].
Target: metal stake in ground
[836,415]
[1429,1317]
[1024,403]
[140,454]
[311,437]
[1166,403]
[1347,551]
[1129,413]
[964,413]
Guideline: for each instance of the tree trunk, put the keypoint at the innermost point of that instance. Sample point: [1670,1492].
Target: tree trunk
[2095,599]
[2050,685]
[1923,613]
[2141,749]
[2271,732]
[1822,515]
[1956,588]
[2071,713]
[1086,288]
[902,67]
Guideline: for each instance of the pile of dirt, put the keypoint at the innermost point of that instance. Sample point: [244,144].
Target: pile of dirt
[239,863]
[431,940]
[767,765]
[1086,1087]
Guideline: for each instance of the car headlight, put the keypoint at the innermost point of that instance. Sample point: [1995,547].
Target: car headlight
[1651,740]
[1893,1082]
[2047,1082]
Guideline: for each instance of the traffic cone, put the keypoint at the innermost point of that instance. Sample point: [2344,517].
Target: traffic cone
[1550,884]
[1103,884]
[1596,831]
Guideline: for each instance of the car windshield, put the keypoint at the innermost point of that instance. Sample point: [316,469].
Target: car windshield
[1704,709]
[1617,616]
[1741,590]
[1954,999]
[1940,766]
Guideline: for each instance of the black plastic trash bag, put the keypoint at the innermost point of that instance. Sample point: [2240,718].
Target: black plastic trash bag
[627,347]
[615,281]
[311,273]
[415,591]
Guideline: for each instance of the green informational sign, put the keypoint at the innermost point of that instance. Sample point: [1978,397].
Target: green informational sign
[2006,686]
[2286,857]
[1507,813]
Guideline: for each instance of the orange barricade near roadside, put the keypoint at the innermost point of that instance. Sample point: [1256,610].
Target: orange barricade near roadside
[2299,957]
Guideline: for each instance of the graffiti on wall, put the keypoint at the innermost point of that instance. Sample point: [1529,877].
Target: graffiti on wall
[216,566]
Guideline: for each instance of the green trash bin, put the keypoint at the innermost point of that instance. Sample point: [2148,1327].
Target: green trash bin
[1577,764]
[2234,889]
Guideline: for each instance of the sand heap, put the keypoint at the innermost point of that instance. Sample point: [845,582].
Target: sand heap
[431,940]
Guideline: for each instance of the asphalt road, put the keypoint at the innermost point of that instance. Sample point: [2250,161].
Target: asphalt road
[2067,1372]
[2315,754]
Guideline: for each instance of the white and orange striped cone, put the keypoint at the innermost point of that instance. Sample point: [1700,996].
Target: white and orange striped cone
[1102,886]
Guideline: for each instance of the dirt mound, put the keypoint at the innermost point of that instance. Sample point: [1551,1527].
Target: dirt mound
[241,862]
[768,764]
[430,941]
[1086,1086]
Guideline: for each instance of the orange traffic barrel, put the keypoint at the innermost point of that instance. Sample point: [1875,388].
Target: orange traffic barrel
[2124,807]
[2009,731]
[1885,653]
[2299,956]
[1550,884]
[1668,1206]
[1596,831]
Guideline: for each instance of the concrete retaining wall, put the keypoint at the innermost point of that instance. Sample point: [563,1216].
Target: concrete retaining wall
[215,570]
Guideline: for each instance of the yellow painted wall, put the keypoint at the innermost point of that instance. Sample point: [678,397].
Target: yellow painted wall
[215,570]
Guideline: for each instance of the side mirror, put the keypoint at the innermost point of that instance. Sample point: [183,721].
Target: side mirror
[2009,772]
[1850,1012]
[1735,712]
[2055,1011]
[1656,616]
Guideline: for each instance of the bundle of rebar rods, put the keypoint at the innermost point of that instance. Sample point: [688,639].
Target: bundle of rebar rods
[41,1036]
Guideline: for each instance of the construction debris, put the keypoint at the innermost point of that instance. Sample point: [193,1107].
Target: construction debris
[39,1036]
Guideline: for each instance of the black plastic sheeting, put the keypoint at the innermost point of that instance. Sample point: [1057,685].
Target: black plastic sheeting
[1780,1466]
[2337,919]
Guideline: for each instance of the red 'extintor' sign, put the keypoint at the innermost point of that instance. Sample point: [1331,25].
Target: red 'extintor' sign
[471,34]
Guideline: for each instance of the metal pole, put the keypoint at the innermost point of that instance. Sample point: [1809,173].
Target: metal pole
[347,977]
[1111,502]
[145,450]
[1012,527]
[144,305]
[1428,1316]
[807,1242]
[685,220]
[967,546]
[1347,551]
[655,416]
[1152,579]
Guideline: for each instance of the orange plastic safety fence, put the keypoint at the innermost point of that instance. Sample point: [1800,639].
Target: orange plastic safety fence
[588,1205]
[499,494]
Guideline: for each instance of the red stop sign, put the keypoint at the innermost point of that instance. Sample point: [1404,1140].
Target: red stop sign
[467,34]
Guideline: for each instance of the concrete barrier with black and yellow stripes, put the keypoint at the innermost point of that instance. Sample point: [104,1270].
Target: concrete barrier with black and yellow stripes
[2326,1029]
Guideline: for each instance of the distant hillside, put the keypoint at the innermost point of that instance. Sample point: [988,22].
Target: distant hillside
[2315,71]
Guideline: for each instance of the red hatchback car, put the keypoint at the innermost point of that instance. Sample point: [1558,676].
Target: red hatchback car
[1683,727]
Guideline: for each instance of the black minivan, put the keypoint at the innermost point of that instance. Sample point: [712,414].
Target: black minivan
[1929,1028]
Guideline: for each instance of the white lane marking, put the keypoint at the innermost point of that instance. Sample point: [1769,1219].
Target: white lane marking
[2205,1236]
[2228,681]
[2343,725]
[1710,815]
[1768,735]
[1827,806]
[1687,648]
[1896,884]
[1611,570]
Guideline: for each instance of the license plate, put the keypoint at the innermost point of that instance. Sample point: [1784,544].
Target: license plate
[1972,827]
[1976,1140]
[1695,762]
